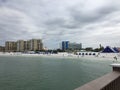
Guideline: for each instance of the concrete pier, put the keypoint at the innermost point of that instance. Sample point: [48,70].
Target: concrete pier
[111,81]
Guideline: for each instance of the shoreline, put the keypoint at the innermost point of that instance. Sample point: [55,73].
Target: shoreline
[64,55]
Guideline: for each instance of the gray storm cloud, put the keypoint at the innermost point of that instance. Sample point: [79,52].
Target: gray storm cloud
[84,21]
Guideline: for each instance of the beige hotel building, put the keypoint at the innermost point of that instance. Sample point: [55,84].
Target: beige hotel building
[10,46]
[35,44]
[21,45]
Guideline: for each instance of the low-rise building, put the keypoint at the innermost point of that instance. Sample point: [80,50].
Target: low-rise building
[2,49]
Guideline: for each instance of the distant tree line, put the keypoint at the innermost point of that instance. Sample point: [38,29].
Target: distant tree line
[94,50]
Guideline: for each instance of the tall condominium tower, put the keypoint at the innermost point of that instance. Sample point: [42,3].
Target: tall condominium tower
[35,44]
[30,45]
[65,45]
[10,46]
[20,46]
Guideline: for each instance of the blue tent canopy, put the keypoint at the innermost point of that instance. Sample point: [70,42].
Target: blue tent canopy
[110,50]
[116,49]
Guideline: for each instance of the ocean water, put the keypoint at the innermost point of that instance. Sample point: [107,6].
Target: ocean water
[40,73]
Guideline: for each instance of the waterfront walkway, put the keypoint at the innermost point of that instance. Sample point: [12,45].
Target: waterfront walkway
[110,81]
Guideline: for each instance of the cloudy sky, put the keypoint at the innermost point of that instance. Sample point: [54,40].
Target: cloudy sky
[91,22]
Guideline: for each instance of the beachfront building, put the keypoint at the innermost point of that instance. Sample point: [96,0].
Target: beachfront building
[21,45]
[10,46]
[75,46]
[2,48]
[30,45]
[35,44]
[65,45]
[25,46]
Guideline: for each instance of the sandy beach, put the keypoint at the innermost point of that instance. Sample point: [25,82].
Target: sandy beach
[101,56]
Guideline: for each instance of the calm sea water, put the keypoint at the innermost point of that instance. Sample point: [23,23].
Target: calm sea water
[38,73]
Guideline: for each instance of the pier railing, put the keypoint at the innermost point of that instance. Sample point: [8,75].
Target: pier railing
[111,81]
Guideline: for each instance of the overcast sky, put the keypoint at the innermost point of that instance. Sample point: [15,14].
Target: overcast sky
[90,22]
